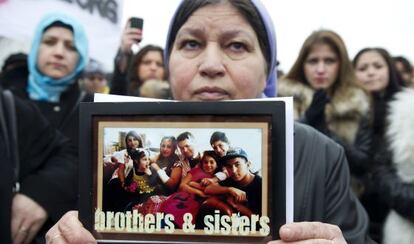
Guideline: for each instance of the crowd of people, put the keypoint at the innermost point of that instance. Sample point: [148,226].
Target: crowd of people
[354,168]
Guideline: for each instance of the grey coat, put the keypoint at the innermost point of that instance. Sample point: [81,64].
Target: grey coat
[322,185]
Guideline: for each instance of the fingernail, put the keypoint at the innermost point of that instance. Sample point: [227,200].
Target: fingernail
[287,232]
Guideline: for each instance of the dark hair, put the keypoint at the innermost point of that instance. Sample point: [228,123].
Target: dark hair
[245,8]
[381,99]
[173,141]
[394,84]
[407,68]
[138,153]
[184,136]
[212,154]
[345,77]
[406,64]
[132,76]
[219,136]
[58,24]
[136,136]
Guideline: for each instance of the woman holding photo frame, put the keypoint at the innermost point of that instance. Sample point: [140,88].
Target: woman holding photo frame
[221,50]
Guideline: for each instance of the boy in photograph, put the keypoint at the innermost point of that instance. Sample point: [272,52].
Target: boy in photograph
[241,186]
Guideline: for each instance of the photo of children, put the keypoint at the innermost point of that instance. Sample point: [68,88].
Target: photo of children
[207,178]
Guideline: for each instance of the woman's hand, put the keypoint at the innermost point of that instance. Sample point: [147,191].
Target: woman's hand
[69,230]
[310,232]
[129,37]
[155,166]
[315,114]
[27,218]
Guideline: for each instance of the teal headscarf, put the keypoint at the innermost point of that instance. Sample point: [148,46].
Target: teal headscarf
[41,87]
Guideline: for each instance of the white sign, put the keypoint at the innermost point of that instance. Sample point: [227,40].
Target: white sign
[100,18]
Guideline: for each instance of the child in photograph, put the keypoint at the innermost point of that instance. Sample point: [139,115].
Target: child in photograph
[122,158]
[191,183]
[166,168]
[191,194]
[243,189]
[220,144]
[138,180]
[115,197]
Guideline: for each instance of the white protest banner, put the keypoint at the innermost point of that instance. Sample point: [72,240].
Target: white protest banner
[100,18]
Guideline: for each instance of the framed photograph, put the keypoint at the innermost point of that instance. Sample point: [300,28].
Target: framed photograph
[149,172]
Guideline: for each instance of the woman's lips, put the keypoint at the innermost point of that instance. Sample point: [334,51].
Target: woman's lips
[57,65]
[211,93]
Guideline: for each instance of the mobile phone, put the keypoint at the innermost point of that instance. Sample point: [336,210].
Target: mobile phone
[136,22]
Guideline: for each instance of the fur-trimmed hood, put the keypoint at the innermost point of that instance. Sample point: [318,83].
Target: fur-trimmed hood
[400,133]
[343,113]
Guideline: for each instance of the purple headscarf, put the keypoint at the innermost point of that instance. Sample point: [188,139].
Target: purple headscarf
[270,89]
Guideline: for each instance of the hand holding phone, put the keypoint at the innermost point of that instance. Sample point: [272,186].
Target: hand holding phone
[136,22]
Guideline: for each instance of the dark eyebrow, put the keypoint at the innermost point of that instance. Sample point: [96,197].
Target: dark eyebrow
[54,37]
[229,34]
[226,34]
[197,32]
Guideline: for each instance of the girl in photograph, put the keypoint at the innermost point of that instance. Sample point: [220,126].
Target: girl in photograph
[140,181]
[191,183]
[114,192]
[191,193]
[122,158]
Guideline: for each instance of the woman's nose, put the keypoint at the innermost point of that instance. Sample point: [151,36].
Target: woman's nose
[211,63]
[153,66]
[59,49]
[320,67]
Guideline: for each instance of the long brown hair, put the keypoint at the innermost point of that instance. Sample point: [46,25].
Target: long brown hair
[134,82]
[346,76]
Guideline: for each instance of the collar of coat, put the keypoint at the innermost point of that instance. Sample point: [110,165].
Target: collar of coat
[343,113]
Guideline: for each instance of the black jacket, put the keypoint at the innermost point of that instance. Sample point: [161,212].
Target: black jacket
[322,185]
[64,115]
[48,169]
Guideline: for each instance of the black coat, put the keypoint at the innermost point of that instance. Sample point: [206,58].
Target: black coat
[64,115]
[48,169]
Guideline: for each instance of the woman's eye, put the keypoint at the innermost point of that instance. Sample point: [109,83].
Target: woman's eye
[330,60]
[312,61]
[71,47]
[190,44]
[238,46]
[49,42]
[362,68]
[378,66]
